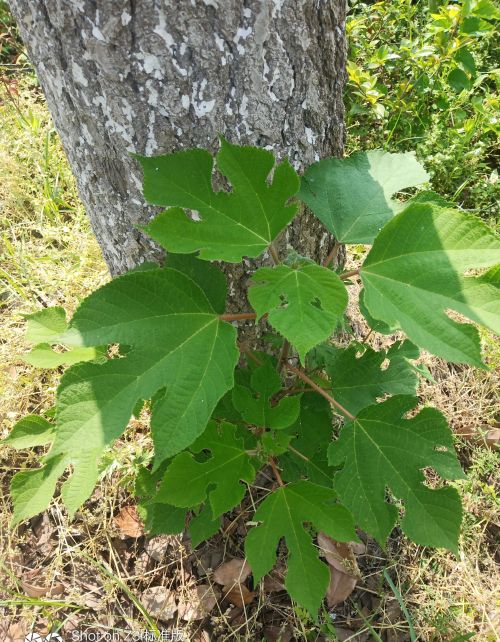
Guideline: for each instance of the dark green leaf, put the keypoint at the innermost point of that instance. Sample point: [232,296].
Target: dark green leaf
[381,449]
[187,481]
[313,433]
[358,380]
[203,526]
[254,405]
[283,514]
[233,224]
[458,80]
[209,278]
[162,519]
[352,196]
[465,57]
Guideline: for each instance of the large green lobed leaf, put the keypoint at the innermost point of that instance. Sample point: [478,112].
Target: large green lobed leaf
[178,351]
[253,401]
[309,435]
[234,224]
[305,304]
[283,514]
[352,196]
[358,380]
[414,274]
[381,449]
[187,481]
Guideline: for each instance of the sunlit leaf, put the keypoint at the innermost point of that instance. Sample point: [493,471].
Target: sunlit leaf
[305,304]
[229,224]
[414,274]
[353,196]
[382,449]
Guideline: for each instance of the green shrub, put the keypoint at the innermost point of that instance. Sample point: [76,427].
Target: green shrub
[422,76]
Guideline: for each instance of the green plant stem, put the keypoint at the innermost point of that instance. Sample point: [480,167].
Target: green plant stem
[249,354]
[367,335]
[298,453]
[238,317]
[399,597]
[118,581]
[347,275]
[319,390]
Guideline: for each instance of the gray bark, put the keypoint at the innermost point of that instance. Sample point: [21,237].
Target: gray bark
[153,76]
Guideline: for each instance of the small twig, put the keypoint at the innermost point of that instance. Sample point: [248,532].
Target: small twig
[347,275]
[285,349]
[276,471]
[237,317]
[297,390]
[308,380]
[248,353]
[333,254]
[367,335]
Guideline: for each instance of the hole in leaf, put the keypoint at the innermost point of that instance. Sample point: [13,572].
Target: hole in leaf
[385,364]
[316,303]
[194,215]
[283,302]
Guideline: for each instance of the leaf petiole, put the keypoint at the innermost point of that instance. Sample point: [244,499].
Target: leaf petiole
[318,389]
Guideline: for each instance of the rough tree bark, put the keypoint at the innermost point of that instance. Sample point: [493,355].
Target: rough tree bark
[153,76]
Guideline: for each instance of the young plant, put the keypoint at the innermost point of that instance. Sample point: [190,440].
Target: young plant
[215,425]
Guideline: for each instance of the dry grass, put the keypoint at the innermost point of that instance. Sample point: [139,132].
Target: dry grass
[87,572]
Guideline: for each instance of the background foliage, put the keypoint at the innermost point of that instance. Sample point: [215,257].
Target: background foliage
[424,76]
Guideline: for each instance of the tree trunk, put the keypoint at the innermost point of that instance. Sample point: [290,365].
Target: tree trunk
[153,76]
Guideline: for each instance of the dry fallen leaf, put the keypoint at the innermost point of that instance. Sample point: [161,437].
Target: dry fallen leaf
[159,602]
[340,587]
[339,555]
[278,634]
[235,571]
[492,438]
[157,547]
[344,571]
[196,603]
[39,591]
[486,435]
[35,584]
[12,632]
[238,594]
[45,533]
[273,583]
[347,634]
[128,522]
